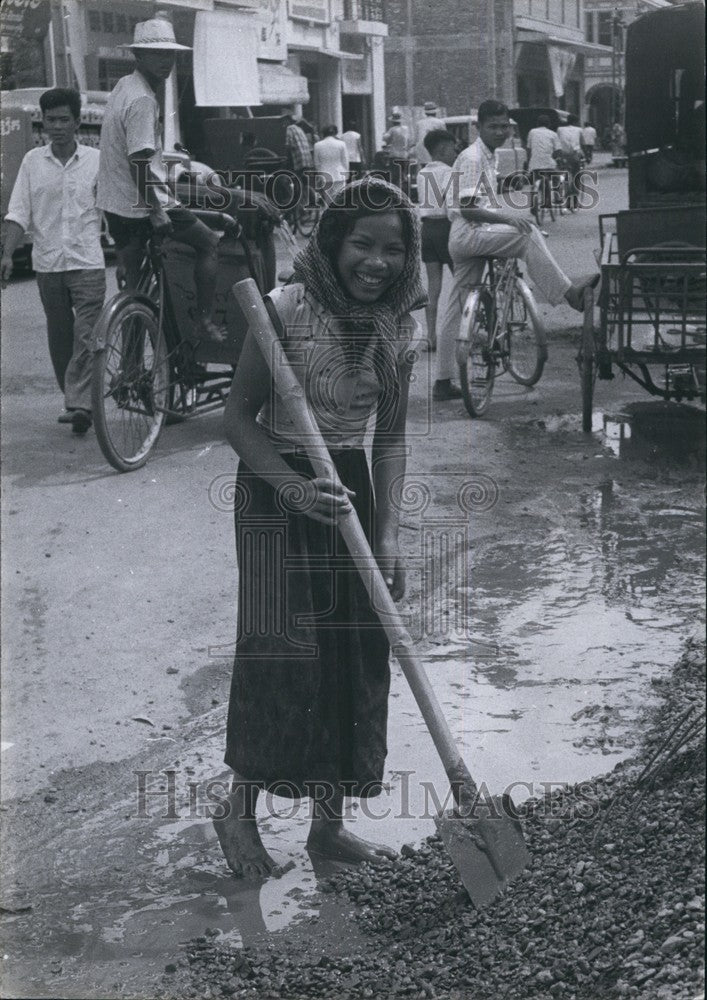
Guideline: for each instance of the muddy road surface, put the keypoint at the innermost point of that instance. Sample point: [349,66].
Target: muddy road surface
[553,579]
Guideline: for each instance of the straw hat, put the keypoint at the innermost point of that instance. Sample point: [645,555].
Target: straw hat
[157,33]
[430,108]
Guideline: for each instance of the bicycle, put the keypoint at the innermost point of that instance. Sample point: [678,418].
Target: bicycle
[148,367]
[500,331]
[550,194]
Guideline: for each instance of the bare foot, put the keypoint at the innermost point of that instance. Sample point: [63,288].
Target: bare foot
[240,842]
[333,841]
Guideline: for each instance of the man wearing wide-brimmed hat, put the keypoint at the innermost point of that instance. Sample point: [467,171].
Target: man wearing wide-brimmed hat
[132,179]
[424,127]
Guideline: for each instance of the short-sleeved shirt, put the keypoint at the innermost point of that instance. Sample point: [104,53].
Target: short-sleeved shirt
[298,147]
[474,175]
[131,122]
[570,137]
[422,129]
[352,141]
[56,203]
[432,184]
[397,141]
[589,135]
[342,395]
[542,143]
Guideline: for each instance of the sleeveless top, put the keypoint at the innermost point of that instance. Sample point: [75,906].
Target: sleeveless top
[342,393]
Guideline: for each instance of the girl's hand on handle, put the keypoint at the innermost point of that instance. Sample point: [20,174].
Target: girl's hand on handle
[391,566]
[320,498]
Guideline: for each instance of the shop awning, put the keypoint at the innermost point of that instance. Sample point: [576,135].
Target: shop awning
[332,53]
[281,85]
[225,65]
[539,37]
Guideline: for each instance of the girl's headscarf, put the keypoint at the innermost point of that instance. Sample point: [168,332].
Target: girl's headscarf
[315,267]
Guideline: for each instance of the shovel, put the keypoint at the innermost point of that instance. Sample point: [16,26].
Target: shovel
[482,837]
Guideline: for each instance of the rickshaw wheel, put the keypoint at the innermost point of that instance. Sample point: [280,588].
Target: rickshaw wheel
[130,382]
[477,368]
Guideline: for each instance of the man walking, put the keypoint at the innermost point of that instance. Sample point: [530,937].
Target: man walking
[55,197]
[589,139]
[132,180]
[423,128]
[354,148]
[396,143]
[331,161]
[482,228]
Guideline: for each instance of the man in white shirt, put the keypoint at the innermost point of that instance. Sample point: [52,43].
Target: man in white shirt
[543,146]
[423,128]
[331,161]
[589,138]
[354,147]
[54,197]
[432,183]
[483,226]
[570,136]
[396,143]
[132,180]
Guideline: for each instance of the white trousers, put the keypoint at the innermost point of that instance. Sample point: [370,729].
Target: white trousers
[469,243]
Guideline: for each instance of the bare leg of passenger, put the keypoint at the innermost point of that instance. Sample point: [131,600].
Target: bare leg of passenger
[330,838]
[434,287]
[237,832]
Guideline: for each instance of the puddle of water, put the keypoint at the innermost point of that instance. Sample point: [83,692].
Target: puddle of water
[663,431]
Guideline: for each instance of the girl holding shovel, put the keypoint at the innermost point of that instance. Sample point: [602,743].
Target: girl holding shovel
[308,705]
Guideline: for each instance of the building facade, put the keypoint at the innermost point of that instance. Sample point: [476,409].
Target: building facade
[452,52]
[321,58]
[605,24]
[550,53]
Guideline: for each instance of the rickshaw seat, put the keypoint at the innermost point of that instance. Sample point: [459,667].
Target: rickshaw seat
[646,227]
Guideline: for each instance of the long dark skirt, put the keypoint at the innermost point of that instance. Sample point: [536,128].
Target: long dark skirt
[309,695]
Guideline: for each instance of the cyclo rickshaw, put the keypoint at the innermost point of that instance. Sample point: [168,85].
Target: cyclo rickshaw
[149,369]
[652,296]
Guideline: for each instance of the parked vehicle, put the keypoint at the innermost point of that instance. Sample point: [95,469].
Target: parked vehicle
[652,299]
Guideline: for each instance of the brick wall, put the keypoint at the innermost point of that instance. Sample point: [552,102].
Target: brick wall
[450,52]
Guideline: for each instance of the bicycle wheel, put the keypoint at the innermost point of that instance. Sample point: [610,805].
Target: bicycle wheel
[525,344]
[549,198]
[130,381]
[477,367]
[586,359]
[537,207]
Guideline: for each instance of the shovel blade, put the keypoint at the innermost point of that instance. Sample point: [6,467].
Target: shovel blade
[488,852]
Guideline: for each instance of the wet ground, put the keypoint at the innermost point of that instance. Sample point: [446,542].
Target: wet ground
[553,578]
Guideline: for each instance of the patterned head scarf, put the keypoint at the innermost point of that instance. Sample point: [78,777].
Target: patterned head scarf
[315,267]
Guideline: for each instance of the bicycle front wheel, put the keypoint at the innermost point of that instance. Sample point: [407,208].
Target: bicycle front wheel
[477,367]
[525,349]
[130,381]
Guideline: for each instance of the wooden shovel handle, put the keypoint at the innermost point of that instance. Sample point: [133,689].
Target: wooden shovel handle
[292,394]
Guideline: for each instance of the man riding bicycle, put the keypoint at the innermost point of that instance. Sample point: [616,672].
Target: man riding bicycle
[132,180]
[482,226]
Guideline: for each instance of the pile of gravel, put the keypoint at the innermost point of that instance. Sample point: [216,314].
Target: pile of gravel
[611,906]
